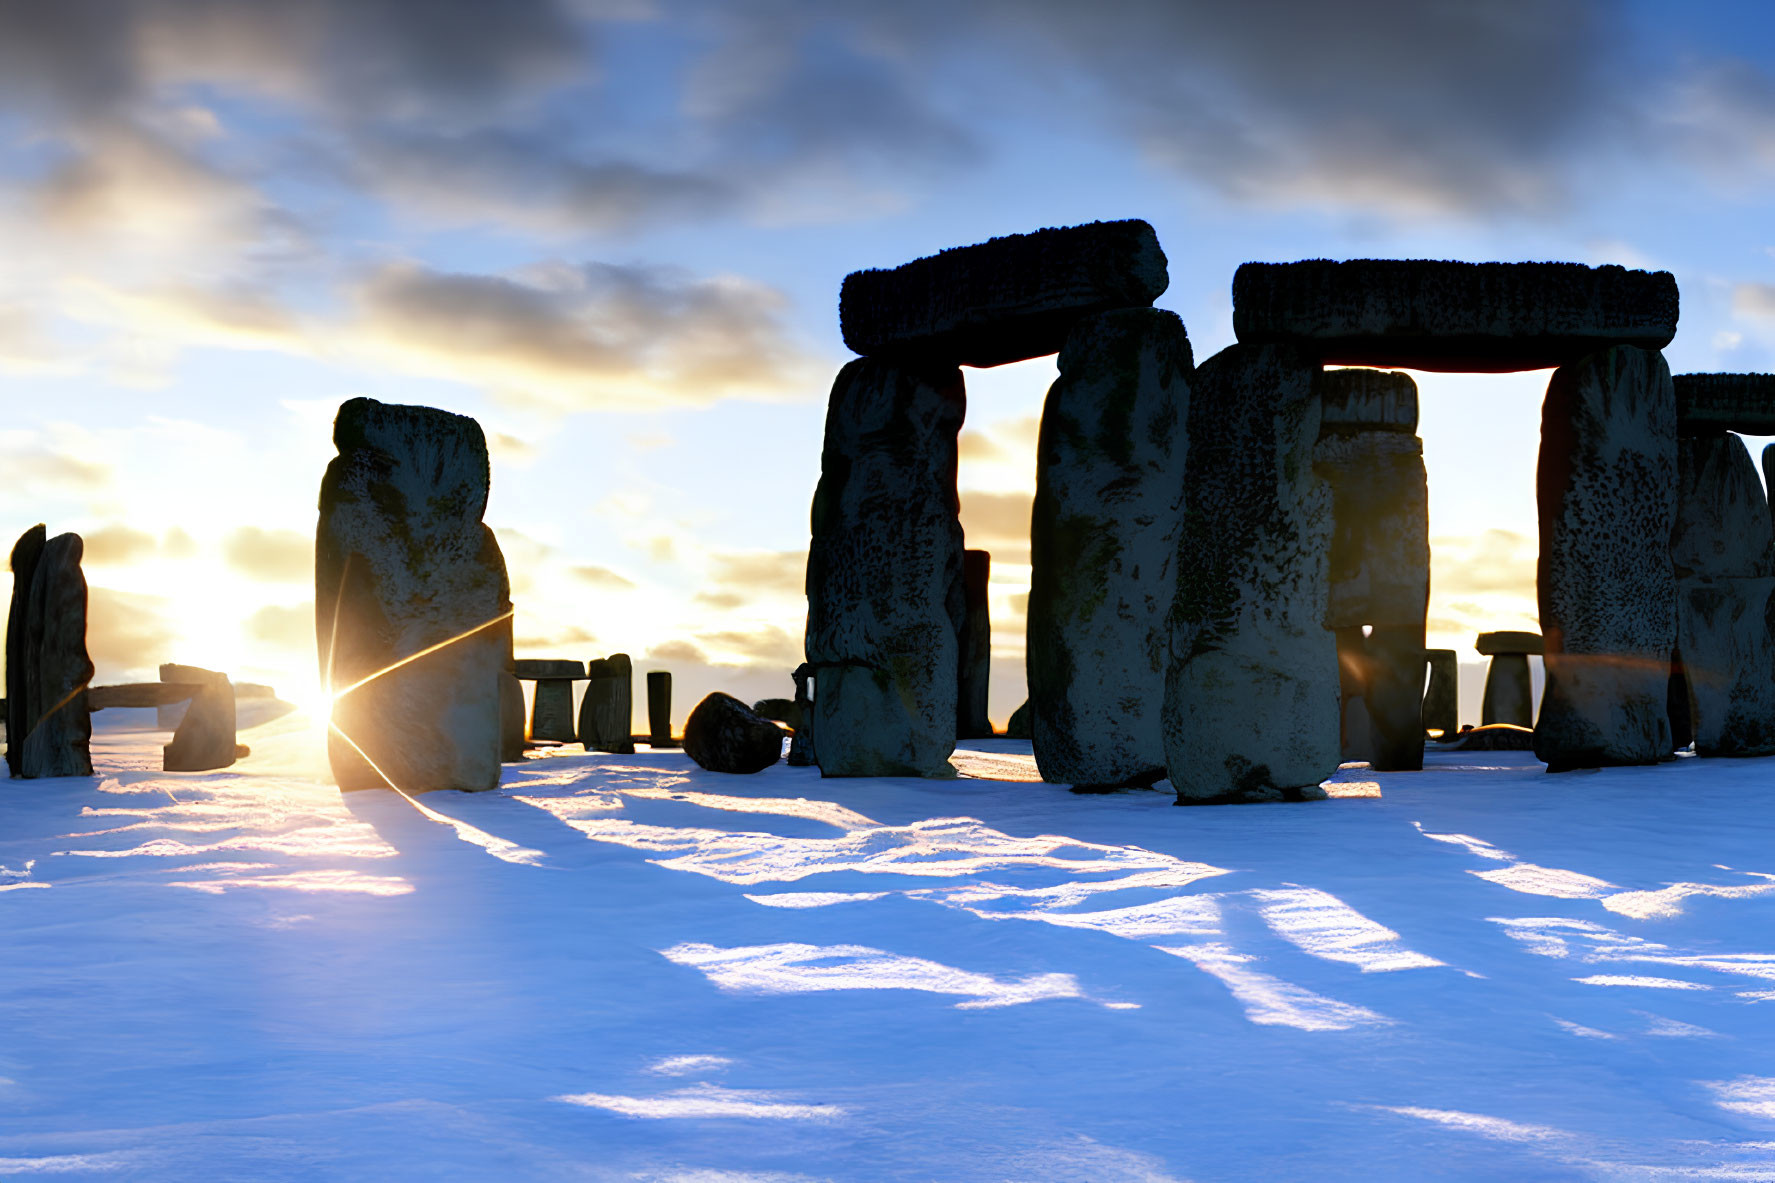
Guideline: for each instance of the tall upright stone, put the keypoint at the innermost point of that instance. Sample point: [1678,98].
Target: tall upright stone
[48,725]
[1606,488]
[1103,548]
[606,712]
[659,709]
[1251,702]
[1724,668]
[409,600]
[1372,461]
[1442,694]
[884,561]
[974,673]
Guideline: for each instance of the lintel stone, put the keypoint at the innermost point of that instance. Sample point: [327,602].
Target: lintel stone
[1707,403]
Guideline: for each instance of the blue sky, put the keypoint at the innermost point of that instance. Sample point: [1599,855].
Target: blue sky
[614,233]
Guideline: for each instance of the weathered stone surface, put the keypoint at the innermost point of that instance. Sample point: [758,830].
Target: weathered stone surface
[138,694]
[551,708]
[1004,300]
[1711,403]
[1510,641]
[536,669]
[1356,741]
[404,567]
[1425,314]
[1606,487]
[606,712]
[25,553]
[778,710]
[1103,542]
[1017,726]
[801,747]
[1726,662]
[1442,696]
[1367,400]
[659,710]
[48,725]
[205,738]
[974,664]
[511,718]
[885,555]
[1722,515]
[724,735]
[1394,697]
[1380,544]
[1769,472]
[1251,702]
[169,715]
[1509,692]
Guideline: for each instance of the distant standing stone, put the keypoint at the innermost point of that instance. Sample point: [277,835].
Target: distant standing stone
[1606,488]
[724,735]
[974,664]
[1441,697]
[885,555]
[1017,726]
[1103,548]
[205,737]
[403,566]
[48,726]
[1723,691]
[607,711]
[801,747]
[511,718]
[1251,703]
[659,709]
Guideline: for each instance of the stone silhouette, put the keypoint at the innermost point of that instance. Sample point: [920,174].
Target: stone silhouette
[409,596]
[1442,695]
[884,558]
[1108,506]
[724,735]
[973,678]
[1005,300]
[1428,315]
[607,710]
[1509,691]
[48,723]
[205,736]
[1606,488]
[551,710]
[659,709]
[1251,703]
[1371,459]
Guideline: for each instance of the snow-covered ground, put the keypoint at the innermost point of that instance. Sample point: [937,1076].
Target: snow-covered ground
[626,968]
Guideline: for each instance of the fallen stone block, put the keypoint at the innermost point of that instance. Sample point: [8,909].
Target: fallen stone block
[1607,492]
[1110,474]
[723,735]
[139,694]
[410,600]
[1251,701]
[204,740]
[48,724]
[1494,737]
[1005,300]
[884,560]
[1712,403]
[1425,314]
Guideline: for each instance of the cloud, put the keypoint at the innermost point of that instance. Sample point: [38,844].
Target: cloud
[602,577]
[36,468]
[272,555]
[998,522]
[116,546]
[592,336]
[546,644]
[779,571]
[1754,301]
[676,651]
[126,634]
[768,646]
[283,627]
[25,344]
[1495,561]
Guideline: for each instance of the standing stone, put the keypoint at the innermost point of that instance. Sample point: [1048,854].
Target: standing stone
[886,552]
[204,740]
[659,709]
[1109,489]
[404,567]
[1372,461]
[1251,703]
[1606,488]
[1769,473]
[1509,690]
[511,718]
[974,671]
[724,735]
[48,725]
[801,747]
[606,712]
[1356,735]
[1442,697]
[551,710]
[1724,670]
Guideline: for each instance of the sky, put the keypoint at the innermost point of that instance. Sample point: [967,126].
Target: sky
[613,231]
